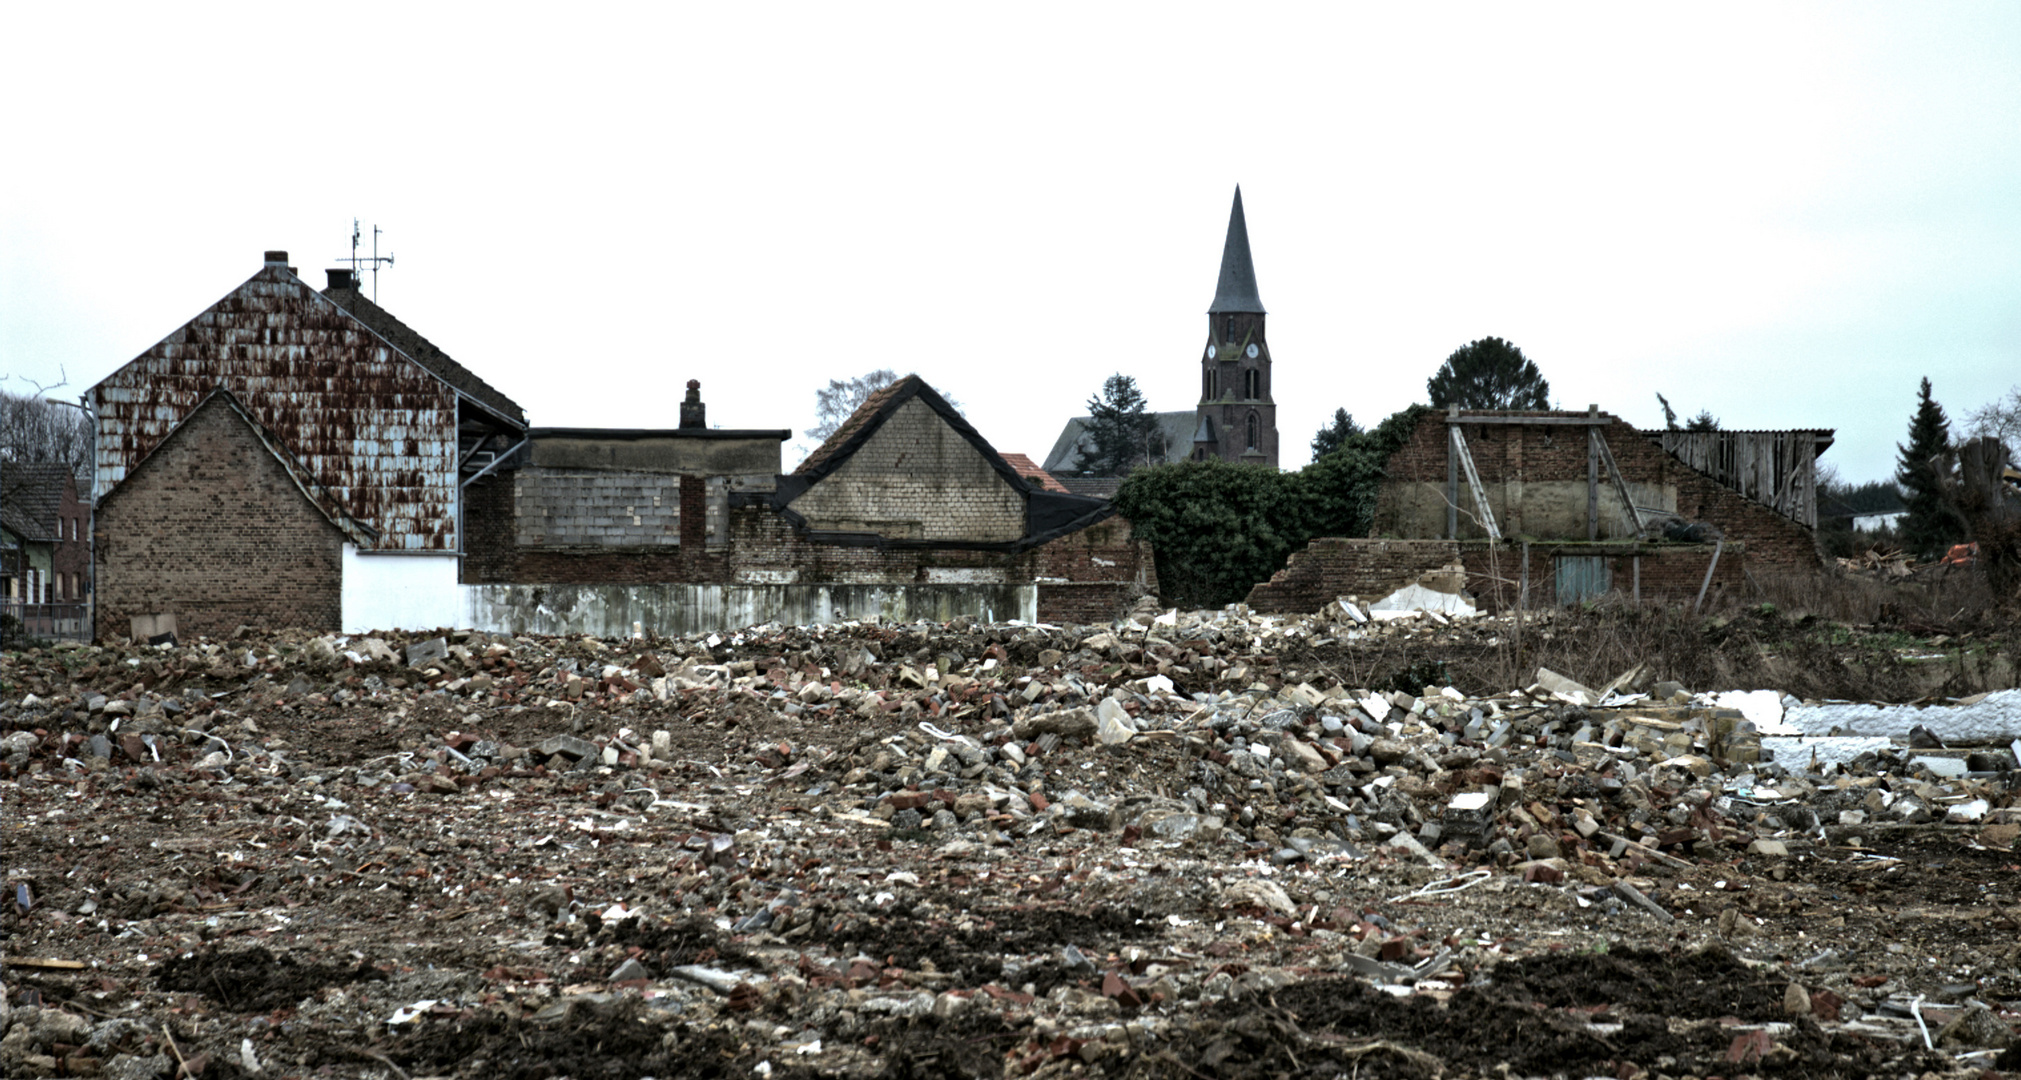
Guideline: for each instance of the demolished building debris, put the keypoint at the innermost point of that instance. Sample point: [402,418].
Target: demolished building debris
[1552,508]
[981,848]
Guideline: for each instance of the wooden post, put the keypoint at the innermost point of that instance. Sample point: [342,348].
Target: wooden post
[1638,580]
[1592,473]
[1452,474]
[1717,547]
[1523,591]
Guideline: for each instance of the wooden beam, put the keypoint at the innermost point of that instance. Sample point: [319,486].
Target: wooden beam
[1459,446]
[1593,476]
[1620,484]
[1527,421]
[1452,476]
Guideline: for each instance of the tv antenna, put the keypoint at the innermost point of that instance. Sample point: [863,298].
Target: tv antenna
[358,261]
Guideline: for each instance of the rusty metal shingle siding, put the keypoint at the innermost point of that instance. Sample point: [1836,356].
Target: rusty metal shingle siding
[373,429]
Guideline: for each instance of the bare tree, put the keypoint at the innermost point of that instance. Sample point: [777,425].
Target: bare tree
[35,430]
[2000,419]
[842,397]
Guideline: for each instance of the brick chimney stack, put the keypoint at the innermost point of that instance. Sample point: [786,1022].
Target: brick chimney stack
[694,414]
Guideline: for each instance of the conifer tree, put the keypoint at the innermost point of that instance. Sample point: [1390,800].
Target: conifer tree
[1489,374]
[1930,524]
[1125,435]
[1335,434]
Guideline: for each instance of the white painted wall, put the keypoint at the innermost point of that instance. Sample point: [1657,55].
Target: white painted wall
[401,592]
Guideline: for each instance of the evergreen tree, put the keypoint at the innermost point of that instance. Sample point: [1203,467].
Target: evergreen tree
[1930,524]
[1334,435]
[1125,435]
[1704,421]
[1489,374]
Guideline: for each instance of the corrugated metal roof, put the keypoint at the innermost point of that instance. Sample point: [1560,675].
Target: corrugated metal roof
[373,431]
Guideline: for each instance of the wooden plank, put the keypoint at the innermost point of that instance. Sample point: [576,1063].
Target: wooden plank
[44,962]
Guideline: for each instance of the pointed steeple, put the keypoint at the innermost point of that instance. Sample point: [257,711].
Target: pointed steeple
[1236,291]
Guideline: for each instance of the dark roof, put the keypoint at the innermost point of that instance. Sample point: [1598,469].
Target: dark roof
[424,352]
[1094,487]
[1048,514]
[31,498]
[635,434]
[1236,291]
[1074,441]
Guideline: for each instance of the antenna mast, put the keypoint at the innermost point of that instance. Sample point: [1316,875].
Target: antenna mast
[356,260]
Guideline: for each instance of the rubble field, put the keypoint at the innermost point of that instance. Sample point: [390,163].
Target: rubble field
[1186,845]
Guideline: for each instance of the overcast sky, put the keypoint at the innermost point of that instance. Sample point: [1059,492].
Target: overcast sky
[1785,214]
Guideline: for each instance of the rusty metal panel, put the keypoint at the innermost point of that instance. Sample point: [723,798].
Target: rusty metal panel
[373,431]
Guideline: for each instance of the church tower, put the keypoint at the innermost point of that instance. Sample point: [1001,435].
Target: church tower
[1237,415]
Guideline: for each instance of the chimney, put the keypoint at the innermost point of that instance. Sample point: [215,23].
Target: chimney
[694,414]
[341,279]
[277,258]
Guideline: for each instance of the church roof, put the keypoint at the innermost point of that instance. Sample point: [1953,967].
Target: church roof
[1236,291]
[1075,441]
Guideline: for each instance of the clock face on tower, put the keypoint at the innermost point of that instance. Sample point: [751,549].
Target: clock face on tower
[1210,352]
[1252,352]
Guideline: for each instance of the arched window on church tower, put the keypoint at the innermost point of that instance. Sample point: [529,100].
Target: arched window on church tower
[1252,384]
[1252,431]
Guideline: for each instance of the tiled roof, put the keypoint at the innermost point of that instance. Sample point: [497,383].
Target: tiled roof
[423,351]
[31,497]
[872,408]
[1030,470]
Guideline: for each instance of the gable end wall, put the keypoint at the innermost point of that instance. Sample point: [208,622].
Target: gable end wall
[212,529]
[916,479]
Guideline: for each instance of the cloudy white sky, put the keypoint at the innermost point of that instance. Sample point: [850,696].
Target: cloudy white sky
[1785,214]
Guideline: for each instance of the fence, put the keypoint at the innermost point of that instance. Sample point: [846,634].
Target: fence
[71,620]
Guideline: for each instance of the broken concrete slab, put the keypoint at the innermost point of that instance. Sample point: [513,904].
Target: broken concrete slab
[1988,718]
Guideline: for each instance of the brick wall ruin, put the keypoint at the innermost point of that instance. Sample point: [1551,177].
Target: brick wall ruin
[1535,480]
[212,528]
[1497,575]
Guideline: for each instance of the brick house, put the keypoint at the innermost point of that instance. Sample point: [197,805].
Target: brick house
[1588,505]
[45,548]
[282,455]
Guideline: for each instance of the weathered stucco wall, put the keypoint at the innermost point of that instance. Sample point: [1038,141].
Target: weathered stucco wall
[611,610]
[692,455]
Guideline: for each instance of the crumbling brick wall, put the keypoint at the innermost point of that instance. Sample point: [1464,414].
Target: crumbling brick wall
[1497,575]
[1086,576]
[916,479]
[1667,573]
[1535,480]
[212,529]
[1330,567]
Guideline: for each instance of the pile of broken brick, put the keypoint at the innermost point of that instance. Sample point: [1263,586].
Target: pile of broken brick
[1173,755]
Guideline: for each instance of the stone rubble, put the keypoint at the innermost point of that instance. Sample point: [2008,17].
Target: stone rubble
[696,833]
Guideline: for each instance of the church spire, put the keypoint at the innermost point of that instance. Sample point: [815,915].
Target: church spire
[1236,291]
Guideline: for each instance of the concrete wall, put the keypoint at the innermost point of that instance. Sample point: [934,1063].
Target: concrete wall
[610,610]
[916,479]
[212,529]
[400,592]
[705,454]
